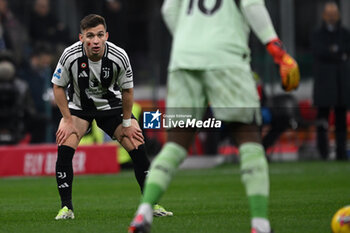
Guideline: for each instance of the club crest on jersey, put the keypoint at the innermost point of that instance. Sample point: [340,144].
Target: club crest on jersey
[83,65]
[105,72]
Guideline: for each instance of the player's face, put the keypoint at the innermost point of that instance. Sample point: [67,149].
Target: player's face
[94,41]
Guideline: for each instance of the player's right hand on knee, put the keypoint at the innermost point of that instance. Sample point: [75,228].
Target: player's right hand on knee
[288,67]
[65,129]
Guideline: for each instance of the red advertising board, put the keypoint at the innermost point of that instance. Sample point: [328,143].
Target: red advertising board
[40,160]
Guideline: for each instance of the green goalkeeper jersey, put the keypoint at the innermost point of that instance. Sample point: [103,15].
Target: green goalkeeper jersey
[208,34]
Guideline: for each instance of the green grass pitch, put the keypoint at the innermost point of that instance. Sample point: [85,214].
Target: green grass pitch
[304,196]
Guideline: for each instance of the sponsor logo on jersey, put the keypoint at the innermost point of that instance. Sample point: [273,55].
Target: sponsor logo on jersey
[83,74]
[57,74]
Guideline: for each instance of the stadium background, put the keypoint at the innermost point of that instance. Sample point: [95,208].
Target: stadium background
[138,27]
[141,31]
[304,194]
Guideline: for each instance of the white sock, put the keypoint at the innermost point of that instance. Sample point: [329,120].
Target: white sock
[147,211]
[261,225]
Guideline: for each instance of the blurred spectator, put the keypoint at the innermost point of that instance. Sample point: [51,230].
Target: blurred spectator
[114,11]
[13,36]
[115,14]
[283,115]
[44,26]
[278,111]
[16,105]
[87,7]
[37,73]
[331,49]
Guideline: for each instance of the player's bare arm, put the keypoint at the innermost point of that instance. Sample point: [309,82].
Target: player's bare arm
[129,129]
[66,127]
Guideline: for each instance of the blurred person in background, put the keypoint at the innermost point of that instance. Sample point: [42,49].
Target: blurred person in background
[44,27]
[16,105]
[13,35]
[116,15]
[37,73]
[331,50]
[114,12]
[87,7]
[282,110]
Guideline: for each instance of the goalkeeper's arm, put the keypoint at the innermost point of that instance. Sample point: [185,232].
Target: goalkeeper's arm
[259,20]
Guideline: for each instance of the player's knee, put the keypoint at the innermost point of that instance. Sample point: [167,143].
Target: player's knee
[72,141]
[128,146]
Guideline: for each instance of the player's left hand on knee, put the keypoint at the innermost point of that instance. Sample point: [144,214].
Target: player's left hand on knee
[288,67]
[65,129]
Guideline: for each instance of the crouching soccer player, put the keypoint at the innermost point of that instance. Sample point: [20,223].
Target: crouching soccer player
[210,63]
[100,86]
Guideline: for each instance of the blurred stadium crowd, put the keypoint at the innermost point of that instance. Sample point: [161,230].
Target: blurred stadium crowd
[33,34]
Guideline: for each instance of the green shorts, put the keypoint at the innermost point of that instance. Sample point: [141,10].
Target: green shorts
[230,92]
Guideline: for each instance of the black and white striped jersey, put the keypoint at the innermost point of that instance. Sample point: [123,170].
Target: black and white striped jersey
[94,85]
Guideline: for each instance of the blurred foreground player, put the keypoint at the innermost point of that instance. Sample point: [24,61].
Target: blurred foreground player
[100,86]
[210,63]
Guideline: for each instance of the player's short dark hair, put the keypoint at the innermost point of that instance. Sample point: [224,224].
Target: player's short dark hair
[91,21]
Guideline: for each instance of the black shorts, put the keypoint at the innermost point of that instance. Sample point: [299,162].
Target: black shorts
[107,120]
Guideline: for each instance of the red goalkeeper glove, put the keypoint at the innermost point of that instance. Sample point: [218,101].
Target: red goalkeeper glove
[289,69]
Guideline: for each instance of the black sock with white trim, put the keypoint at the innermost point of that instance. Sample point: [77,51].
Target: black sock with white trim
[64,174]
[141,164]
